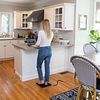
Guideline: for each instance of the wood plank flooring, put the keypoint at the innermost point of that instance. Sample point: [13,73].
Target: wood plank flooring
[11,88]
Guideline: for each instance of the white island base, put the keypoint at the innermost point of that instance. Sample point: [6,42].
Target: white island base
[25,62]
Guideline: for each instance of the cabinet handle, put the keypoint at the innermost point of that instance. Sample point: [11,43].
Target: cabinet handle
[5,45]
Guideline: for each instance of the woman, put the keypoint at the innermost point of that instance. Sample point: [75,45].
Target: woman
[44,54]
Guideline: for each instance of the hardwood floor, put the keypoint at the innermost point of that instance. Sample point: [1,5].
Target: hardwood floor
[11,88]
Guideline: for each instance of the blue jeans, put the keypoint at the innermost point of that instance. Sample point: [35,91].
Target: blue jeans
[44,54]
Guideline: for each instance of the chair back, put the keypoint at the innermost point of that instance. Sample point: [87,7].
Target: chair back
[85,69]
[89,49]
[98,47]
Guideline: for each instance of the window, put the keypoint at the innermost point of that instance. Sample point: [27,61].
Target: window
[6,22]
[5,25]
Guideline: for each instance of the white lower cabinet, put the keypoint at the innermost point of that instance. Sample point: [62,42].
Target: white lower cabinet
[19,41]
[1,49]
[7,49]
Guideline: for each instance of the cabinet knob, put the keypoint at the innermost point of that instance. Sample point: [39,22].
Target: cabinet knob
[5,45]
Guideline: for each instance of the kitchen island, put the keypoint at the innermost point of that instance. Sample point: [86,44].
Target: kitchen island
[25,59]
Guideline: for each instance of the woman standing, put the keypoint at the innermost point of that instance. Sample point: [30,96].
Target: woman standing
[44,54]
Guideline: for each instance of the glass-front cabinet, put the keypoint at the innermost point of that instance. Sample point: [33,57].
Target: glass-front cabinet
[64,17]
[58,17]
[24,22]
[20,20]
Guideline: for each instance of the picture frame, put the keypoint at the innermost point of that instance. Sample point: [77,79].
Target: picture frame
[82,22]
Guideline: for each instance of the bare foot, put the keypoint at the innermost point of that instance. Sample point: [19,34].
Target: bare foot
[46,83]
[41,82]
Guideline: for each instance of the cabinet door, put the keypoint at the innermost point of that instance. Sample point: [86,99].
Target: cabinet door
[24,23]
[49,14]
[58,17]
[9,50]
[21,41]
[1,49]
[69,18]
[17,19]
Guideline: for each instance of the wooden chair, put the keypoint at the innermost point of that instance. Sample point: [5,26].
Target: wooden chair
[98,47]
[88,49]
[86,71]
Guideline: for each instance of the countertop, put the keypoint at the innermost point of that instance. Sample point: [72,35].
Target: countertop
[2,39]
[24,46]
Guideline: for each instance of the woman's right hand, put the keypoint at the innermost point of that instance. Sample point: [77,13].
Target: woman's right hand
[32,46]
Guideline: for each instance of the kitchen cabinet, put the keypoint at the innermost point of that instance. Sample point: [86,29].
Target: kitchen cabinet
[17,19]
[20,20]
[1,49]
[48,14]
[64,17]
[6,49]
[9,48]
[61,16]
[58,17]
[19,41]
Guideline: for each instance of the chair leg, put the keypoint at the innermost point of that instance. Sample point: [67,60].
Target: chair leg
[75,75]
[94,94]
[90,96]
[79,92]
[99,98]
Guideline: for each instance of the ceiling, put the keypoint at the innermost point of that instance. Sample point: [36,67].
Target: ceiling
[23,2]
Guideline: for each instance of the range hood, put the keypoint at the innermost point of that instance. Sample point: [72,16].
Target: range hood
[36,16]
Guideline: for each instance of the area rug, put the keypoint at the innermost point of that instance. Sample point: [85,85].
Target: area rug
[69,95]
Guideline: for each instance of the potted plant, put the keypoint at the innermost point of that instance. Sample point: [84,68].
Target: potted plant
[95,36]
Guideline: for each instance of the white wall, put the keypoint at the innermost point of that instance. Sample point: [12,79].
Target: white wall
[81,36]
[11,8]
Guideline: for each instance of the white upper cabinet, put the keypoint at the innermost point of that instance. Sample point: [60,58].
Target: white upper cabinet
[17,19]
[68,17]
[48,14]
[61,16]
[20,20]
[58,17]
[64,17]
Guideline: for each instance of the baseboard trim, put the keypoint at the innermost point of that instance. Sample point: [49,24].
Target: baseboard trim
[26,78]
[6,59]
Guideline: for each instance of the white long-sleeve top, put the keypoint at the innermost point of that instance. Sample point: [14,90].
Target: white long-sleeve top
[42,40]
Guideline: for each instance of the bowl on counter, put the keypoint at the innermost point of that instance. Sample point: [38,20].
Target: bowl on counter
[64,41]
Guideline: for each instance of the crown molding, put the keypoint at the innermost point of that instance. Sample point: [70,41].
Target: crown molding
[14,4]
[39,3]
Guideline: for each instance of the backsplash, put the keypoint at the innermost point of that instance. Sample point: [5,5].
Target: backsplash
[20,32]
[64,34]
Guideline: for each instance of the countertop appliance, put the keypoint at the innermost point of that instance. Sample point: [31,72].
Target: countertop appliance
[30,41]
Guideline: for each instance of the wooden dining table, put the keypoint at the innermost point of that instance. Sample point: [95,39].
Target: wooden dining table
[95,57]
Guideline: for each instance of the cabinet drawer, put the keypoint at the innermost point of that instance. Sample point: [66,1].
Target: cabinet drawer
[1,43]
[19,41]
[9,42]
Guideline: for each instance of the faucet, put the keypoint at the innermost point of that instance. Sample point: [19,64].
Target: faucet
[4,34]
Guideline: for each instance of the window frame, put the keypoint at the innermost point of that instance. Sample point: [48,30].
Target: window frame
[10,22]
